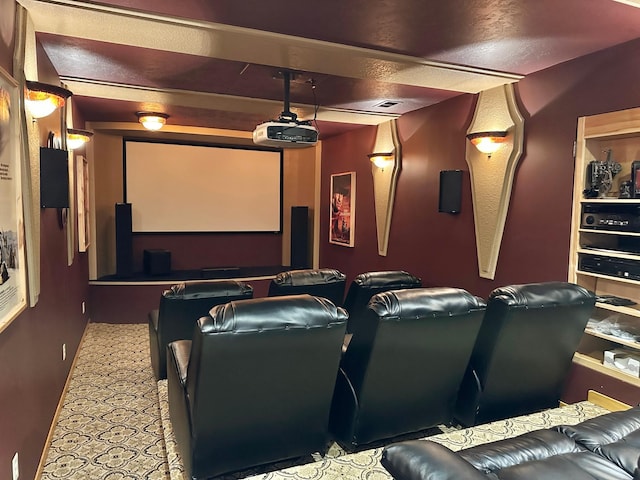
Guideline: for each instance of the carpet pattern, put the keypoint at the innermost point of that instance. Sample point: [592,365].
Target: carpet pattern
[366,465]
[114,423]
[109,426]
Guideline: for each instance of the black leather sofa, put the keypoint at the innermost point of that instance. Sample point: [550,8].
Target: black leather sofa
[324,282]
[180,307]
[402,369]
[254,385]
[603,448]
[524,350]
[366,285]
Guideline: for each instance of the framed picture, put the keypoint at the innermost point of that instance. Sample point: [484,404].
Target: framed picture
[13,297]
[82,197]
[343,209]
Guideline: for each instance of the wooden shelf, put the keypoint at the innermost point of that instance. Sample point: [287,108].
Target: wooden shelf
[608,277]
[632,310]
[613,338]
[596,364]
[608,232]
[618,132]
[604,252]
[610,200]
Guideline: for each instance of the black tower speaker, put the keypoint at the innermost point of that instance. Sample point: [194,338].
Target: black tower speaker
[124,240]
[450,191]
[300,238]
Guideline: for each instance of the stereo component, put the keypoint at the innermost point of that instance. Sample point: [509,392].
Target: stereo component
[610,266]
[618,217]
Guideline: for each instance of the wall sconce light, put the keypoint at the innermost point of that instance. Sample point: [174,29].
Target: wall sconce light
[498,125]
[42,99]
[386,161]
[77,138]
[382,160]
[152,120]
[488,142]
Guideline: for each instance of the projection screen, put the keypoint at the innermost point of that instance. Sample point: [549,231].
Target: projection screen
[194,188]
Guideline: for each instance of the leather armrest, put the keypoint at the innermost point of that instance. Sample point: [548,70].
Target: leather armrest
[425,460]
[153,318]
[346,341]
[180,351]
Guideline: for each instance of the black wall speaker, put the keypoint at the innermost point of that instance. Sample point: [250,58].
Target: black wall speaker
[450,191]
[54,178]
[124,240]
[300,237]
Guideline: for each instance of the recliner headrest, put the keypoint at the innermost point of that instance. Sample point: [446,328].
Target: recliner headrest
[547,294]
[223,288]
[273,313]
[309,277]
[390,279]
[425,302]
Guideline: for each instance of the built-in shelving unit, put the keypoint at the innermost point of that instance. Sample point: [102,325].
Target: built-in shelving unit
[619,133]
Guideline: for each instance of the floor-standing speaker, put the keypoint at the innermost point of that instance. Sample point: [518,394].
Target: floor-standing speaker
[300,237]
[124,240]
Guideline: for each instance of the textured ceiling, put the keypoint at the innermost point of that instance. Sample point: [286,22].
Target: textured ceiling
[216,63]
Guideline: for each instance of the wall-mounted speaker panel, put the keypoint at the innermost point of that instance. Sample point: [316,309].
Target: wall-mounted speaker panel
[54,178]
[450,191]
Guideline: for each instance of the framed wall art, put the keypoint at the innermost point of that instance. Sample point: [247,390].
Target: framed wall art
[343,209]
[13,296]
[82,197]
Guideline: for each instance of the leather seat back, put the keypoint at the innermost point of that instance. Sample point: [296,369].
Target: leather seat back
[366,285]
[326,282]
[404,364]
[260,380]
[524,350]
[180,307]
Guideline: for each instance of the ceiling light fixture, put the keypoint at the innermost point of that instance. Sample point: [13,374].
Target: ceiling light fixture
[42,99]
[152,120]
[77,138]
[488,142]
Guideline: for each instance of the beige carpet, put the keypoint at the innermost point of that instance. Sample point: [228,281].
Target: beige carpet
[109,427]
[366,465]
[114,424]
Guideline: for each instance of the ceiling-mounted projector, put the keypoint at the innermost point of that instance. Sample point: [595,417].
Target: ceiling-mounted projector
[285,135]
[287,131]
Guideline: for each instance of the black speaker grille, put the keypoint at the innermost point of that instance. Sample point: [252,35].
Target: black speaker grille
[124,240]
[450,191]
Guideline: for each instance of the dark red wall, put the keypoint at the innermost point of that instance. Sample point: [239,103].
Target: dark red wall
[440,247]
[32,373]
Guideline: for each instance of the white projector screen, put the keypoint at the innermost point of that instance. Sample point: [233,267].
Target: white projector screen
[192,188]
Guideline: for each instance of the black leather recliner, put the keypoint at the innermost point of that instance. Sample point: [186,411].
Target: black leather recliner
[524,350]
[255,384]
[602,448]
[180,307]
[325,282]
[366,285]
[403,367]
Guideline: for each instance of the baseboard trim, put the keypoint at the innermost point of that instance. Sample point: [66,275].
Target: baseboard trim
[604,401]
[54,421]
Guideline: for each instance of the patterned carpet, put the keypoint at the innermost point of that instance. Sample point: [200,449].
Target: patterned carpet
[114,424]
[109,427]
[366,465]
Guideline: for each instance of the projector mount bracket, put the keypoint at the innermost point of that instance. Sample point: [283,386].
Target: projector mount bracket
[287,116]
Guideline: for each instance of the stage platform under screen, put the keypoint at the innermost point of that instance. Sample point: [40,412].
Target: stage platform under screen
[118,299]
[208,273]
